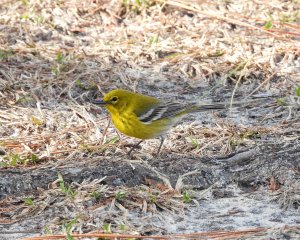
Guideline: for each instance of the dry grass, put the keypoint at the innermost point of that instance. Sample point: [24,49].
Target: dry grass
[245,234]
[54,54]
[58,55]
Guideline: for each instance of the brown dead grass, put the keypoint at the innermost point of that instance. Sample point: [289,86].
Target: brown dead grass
[57,55]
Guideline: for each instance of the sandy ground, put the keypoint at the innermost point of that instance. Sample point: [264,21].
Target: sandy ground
[64,167]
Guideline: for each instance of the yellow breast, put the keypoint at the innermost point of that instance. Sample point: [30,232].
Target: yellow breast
[130,125]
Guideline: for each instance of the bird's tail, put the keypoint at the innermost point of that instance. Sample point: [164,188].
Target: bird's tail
[223,105]
[207,107]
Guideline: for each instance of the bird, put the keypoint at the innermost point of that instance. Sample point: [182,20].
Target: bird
[145,117]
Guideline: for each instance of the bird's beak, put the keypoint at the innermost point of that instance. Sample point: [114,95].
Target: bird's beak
[99,102]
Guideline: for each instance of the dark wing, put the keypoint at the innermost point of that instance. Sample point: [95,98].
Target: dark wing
[160,111]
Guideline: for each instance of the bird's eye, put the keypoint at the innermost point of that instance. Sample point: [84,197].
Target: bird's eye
[114,99]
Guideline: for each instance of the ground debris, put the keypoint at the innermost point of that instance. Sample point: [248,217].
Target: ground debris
[64,167]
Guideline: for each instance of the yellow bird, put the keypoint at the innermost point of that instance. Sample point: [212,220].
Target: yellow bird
[146,117]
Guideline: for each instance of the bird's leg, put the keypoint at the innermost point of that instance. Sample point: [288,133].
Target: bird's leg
[133,147]
[162,139]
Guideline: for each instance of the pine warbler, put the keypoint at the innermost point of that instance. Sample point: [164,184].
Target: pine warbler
[146,117]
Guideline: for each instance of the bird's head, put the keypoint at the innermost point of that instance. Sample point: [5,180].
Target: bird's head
[115,100]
